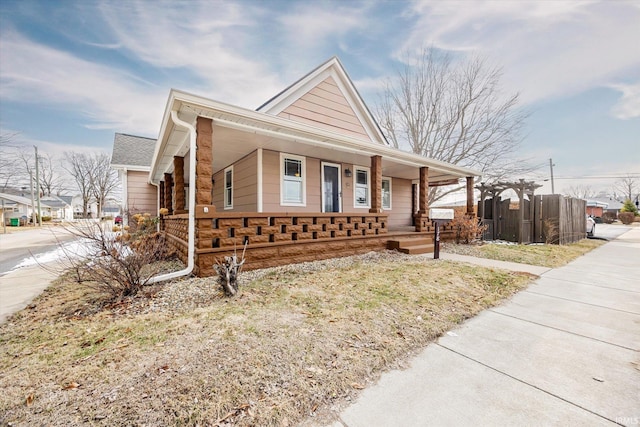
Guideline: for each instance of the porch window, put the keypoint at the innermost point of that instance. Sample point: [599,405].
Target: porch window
[361,188]
[292,183]
[386,193]
[228,188]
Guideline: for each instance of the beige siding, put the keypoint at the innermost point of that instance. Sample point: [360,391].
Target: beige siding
[400,213]
[271,184]
[326,106]
[245,186]
[141,196]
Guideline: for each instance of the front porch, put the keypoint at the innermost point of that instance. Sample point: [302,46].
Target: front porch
[278,238]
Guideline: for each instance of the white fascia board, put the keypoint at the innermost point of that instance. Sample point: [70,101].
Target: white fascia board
[131,168]
[229,115]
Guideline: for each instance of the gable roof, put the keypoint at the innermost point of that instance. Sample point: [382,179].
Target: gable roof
[132,152]
[55,201]
[21,200]
[327,98]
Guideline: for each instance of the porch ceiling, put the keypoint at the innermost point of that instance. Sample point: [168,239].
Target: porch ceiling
[238,132]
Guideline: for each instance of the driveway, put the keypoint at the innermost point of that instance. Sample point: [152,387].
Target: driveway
[563,352]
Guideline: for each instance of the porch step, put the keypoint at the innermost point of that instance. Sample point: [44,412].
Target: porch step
[422,245]
[417,249]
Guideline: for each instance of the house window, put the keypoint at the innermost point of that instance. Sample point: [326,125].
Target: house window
[292,182]
[386,193]
[361,188]
[228,188]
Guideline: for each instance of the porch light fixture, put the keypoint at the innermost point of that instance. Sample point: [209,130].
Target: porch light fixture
[347,173]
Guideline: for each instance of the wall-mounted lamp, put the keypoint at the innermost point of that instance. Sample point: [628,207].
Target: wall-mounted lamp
[213,180]
[347,173]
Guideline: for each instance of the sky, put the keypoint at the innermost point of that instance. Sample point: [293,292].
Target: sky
[72,73]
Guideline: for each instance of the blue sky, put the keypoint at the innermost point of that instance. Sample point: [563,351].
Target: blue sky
[73,73]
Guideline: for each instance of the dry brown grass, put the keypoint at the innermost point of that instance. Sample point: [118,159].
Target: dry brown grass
[543,255]
[291,345]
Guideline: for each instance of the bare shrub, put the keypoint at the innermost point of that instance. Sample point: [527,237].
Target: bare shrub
[228,271]
[551,235]
[467,228]
[626,217]
[609,217]
[115,262]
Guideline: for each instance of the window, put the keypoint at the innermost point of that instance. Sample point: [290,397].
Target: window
[361,189]
[292,183]
[386,193]
[228,188]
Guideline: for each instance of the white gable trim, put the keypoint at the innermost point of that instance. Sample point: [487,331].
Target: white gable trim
[331,68]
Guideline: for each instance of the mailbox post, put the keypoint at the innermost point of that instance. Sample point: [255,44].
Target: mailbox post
[439,216]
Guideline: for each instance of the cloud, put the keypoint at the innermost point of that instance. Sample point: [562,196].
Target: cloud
[108,98]
[202,47]
[628,107]
[548,49]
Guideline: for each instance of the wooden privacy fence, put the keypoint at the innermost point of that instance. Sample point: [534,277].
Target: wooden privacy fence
[550,218]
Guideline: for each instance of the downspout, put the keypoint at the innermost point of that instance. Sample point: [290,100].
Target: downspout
[192,205]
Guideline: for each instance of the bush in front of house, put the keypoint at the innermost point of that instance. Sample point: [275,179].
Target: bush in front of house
[609,217]
[467,228]
[626,217]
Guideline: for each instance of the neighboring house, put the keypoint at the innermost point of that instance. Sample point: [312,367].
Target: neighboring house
[132,157]
[59,207]
[608,204]
[92,208]
[18,207]
[308,175]
[596,208]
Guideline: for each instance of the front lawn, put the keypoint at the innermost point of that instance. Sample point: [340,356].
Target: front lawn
[298,340]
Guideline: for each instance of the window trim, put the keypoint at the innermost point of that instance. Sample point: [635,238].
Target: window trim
[355,186]
[387,178]
[228,204]
[303,168]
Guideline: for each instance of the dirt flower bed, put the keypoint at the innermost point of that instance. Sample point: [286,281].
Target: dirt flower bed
[297,341]
[537,254]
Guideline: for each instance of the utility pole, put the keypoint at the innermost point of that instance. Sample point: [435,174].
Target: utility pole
[38,188]
[551,165]
[33,203]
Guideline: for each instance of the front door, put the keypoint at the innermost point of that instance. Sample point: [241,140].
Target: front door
[331,188]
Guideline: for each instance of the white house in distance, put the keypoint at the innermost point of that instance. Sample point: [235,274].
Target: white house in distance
[132,157]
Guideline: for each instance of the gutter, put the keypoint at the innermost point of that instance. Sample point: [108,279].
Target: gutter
[192,204]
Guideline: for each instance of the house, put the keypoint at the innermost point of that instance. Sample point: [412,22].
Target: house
[308,175]
[595,208]
[132,157]
[18,207]
[58,207]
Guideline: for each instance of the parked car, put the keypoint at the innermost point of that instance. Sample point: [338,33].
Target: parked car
[591,226]
[118,220]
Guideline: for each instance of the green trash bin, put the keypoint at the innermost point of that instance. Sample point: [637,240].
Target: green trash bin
[15,222]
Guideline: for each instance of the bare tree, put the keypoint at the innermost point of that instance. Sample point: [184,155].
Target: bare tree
[80,168]
[7,160]
[580,191]
[628,187]
[454,112]
[51,181]
[104,180]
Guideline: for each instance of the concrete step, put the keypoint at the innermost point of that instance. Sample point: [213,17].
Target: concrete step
[417,249]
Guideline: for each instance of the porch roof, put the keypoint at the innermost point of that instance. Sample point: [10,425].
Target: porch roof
[242,131]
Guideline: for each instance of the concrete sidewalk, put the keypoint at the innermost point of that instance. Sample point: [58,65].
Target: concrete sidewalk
[563,352]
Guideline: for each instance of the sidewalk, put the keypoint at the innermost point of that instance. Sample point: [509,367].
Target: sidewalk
[563,352]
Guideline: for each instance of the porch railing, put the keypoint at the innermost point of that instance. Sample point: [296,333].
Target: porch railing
[229,230]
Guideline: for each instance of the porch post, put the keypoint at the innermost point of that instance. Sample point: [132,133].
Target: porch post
[178,173]
[168,199]
[376,183]
[161,195]
[470,196]
[204,161]
[422,218]
[424,191]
